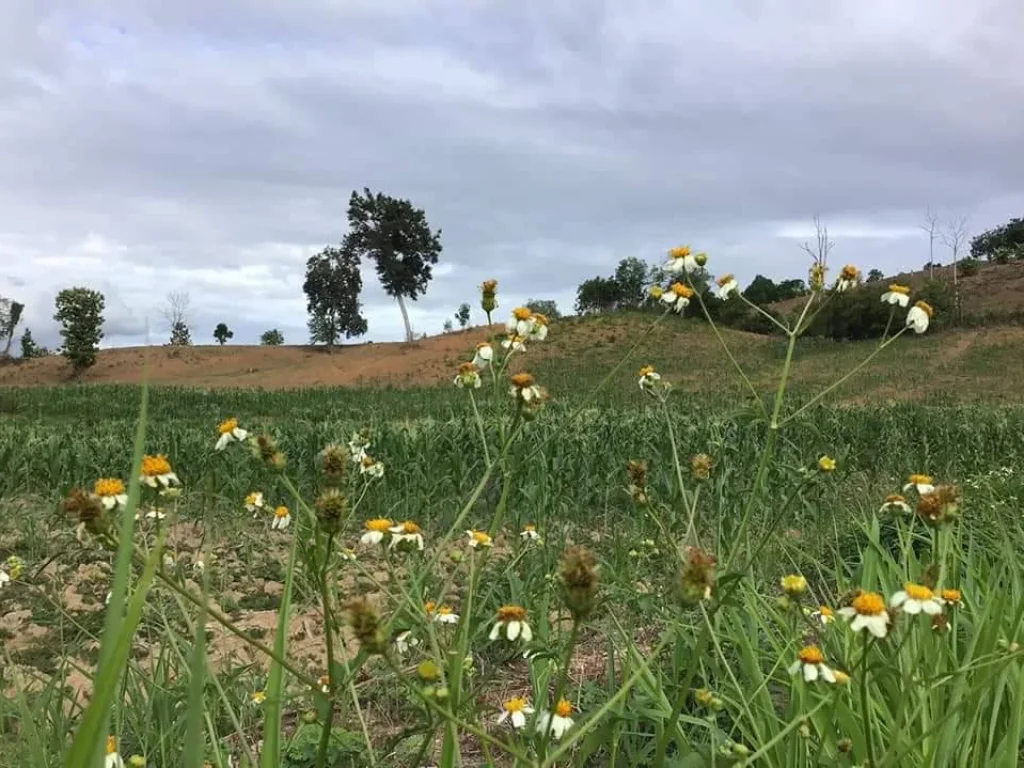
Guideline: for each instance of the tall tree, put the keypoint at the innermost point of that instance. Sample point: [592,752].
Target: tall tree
[396,236]
[332,289]
[10,316]
[1002,243]
[80,314]
[598,294]
[222,333]
[631,275]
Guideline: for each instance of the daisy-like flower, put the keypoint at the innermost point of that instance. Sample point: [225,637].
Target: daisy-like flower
[155,514]
[917,598]
[404,641]
[514,342]
[358,446]
[468,377]
[325,683]
[867,611]
[479,539]
[649,377]
[825,615]
[680,259]
[523,387]
[229,430]
[371,466]
[921,483]
[347,554]
[515,709]
[407,532]
[812,661]
[254,502]
[827,464]
[113,759]
[894,503]
[484,355]
[445,615]
[521,323]
[678,296]
[727,285]
[919,316]
[111,492]
[512,624]
[539,332]
[258,697]
[282,519]
[156,471]
[848,278]
[376,530]
[897,295]
[950,596]
[559,721]
[529,533]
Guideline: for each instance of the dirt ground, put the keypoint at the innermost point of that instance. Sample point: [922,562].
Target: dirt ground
[429,361]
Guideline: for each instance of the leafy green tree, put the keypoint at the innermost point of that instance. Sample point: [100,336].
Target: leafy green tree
[462,315]
[332,288]
[80,314]
[396,236]
[272,338]
[10,316]
[181,336]
[598,294]
[631,275]
[1002,243]
[222,333]
[763,290]
[29,349]
[875,275]
[545,307]
[447,325]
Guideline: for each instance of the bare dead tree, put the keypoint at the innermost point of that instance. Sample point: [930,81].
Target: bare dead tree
[176,312]
[820,250]
[931,227]
[954,235]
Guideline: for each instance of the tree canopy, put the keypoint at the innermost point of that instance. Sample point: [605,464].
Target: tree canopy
[332,289]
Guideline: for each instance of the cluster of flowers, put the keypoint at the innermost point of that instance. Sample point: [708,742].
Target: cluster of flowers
[524,325]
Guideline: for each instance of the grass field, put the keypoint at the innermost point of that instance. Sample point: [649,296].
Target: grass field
[673,645]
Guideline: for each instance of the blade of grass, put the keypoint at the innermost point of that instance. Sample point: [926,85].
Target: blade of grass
[271,755]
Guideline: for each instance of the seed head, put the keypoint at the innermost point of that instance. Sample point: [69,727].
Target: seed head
[364,619]
[697,579]
[428,671]
[334,463]
[331,508]
[940,507]
[578,572]
[87,509]
[701,465]
[265,449]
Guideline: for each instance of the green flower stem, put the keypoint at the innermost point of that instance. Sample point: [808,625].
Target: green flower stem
[865,703]
[480,428]
[328,724]
[781,326]
[563,677]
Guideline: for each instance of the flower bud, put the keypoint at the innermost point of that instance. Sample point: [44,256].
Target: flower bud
[578,572]
[364,620]
[331,509]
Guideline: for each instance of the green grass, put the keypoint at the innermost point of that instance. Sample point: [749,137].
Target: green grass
[637,660]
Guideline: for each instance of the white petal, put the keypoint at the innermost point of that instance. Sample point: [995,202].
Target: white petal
[514,628]
[912,606]
[931,607]
[109,502]
[827,674]
[240,434]
[794,667]
[495,630]
[527,633]
[810,672]
[878,625]
[858,623]
[503,717]
[898,599]
[847,612]
[222,442]
[122,499]
[518,720]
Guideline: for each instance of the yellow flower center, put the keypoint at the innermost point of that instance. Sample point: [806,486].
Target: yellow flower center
[259,697]
[529,527]
[920,480]
[522,380]
[897,288]
[951,595]
[724,280]
[811,654]
[539,319]
[445,610]
[680,252]
[511,613]
[825,611]
[794,584]
[281,512]
[429,607]
[850,272]
[895,498]
[515,704]
[869,604]
[481,538]
[410,528]
[229,425]
[682,291]
[323,680]
[826,464]
[926,307]
[918,591]
[521,313]
[108,486]
[369,461]
[466,369]
[380,525]
[111,745]
[646,371]
[563,708]
[155,466]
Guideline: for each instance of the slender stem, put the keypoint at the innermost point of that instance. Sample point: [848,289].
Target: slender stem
[865,708]
[680,702]
[325,733]
[480,428]
[769,315]
[563,676]
[842,380]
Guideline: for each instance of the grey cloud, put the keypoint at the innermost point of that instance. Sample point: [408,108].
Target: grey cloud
[215,147]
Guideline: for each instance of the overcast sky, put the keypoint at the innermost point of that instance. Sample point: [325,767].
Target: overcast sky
[212,146]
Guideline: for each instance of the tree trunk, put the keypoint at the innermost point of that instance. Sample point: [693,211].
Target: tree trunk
[405,317]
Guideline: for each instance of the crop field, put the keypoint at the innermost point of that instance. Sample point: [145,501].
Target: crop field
[710,573]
